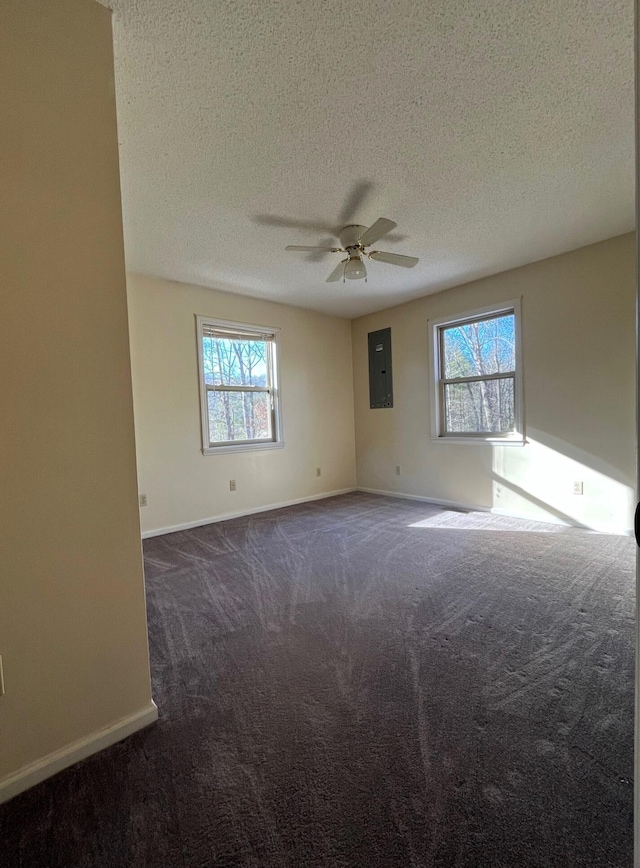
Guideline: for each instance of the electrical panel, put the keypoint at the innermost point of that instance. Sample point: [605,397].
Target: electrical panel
[380,379]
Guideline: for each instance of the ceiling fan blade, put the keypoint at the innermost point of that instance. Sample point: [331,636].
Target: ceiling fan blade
[377,230]
[306,247]
[337,272]
[394,258]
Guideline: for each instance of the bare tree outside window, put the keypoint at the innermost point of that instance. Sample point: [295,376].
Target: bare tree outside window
[478,375]
[238,378]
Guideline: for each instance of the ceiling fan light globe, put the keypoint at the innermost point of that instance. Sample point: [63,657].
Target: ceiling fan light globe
[354,269]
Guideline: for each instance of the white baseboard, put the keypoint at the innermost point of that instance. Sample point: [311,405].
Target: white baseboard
[550,519]
[435,501]
[201,522]
[494,510]
[35,772]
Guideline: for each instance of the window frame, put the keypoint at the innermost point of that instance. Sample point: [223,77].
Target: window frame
[438,381]
[272,388]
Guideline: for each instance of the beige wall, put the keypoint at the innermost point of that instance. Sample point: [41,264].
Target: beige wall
[184,486]
[72,616]
[578,314]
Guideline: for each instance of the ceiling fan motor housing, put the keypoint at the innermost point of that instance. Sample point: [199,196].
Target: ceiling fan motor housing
[350,235]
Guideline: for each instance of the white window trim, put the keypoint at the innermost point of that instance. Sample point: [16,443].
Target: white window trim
[241,445]
[515,438]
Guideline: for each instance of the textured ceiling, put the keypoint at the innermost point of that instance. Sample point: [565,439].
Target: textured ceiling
[494,133]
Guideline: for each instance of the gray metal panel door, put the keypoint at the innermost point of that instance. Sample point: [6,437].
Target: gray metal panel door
[380,372]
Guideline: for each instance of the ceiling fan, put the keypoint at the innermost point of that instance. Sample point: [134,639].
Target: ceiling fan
[354,239]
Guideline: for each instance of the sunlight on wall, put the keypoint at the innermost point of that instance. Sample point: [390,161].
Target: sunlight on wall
[537,481]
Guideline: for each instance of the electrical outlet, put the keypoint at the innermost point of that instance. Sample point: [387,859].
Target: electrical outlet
[143,500]
[1,679]
[318,471]
[232,485]
[578,488]
[397,470]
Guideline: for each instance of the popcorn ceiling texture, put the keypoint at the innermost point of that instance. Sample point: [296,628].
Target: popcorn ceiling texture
[495,133]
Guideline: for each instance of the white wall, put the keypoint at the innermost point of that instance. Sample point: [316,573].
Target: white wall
[578,321]
[184,486]
[73,635]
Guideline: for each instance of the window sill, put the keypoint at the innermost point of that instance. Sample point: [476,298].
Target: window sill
[242,447]
[491,441]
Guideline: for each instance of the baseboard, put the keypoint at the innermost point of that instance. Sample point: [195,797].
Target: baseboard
[435,501]
[36,772]
[201,522]
[494,510]
[551,519]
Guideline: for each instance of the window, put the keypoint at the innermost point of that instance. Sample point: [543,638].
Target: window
[477,382]
[238,386]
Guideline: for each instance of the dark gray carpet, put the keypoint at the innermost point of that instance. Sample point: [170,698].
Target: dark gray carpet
[340,687]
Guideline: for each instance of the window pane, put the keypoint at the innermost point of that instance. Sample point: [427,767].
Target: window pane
[478,348]
[239,416]
[486,406]
[234,362]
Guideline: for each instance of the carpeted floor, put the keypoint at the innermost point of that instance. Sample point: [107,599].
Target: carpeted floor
[365,681]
